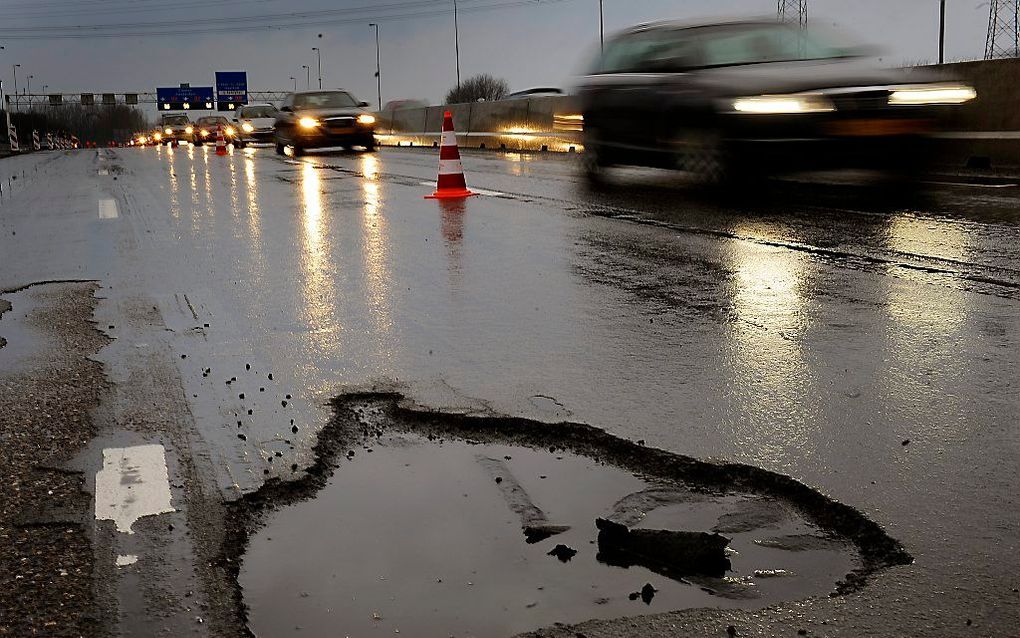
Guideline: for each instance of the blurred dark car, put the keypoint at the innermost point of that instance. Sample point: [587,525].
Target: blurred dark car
[543,91]
[318,119]
[746,98]
[204,130]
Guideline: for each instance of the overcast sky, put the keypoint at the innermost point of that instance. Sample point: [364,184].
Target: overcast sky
[542,43]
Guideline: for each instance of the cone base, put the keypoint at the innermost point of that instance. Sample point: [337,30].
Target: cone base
[451,193]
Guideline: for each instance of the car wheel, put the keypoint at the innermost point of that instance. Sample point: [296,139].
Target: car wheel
[594,159]
[298,151]
[281,149]
[701,153]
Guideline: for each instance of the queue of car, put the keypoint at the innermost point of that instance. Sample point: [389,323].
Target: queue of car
[305,120]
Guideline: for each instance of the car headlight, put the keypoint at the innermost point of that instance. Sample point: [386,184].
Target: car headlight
[308,122]
[247,127]
[168,131]
[189,130]
[793,103]
[932,94]
[141,140]
[157,136]
[365,118]
[230,130]
[205,133]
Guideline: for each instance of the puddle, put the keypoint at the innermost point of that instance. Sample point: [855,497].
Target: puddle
[133,483]
[459,537]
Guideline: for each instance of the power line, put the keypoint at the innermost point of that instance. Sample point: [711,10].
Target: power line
[83,32]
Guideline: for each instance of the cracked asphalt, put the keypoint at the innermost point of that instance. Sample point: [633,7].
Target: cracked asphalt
[868,351]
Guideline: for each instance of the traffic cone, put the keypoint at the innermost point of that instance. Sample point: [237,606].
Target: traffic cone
[221,143]
[450,184]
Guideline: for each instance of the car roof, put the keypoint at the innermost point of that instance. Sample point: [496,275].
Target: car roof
[679,25]
[245,106]
[314,91]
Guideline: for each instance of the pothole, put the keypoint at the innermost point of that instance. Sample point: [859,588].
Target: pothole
[448,525]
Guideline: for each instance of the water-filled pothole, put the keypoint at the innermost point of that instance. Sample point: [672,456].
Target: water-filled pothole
[454,526]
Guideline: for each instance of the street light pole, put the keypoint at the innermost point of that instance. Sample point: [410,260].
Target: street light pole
[308,76]
[318,56]
[378,66]
[29,89]
[2,86]
[15,67]
[942,32]
[456,40]
[295,83]
[602,30]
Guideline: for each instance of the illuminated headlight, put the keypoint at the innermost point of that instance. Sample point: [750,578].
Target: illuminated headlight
[168,131]
[366,119]
[308,122]
[205,133]
[794,103]
[247,127]
[141,140]
[230,130]
[189,129]
[157,136]
[932,94]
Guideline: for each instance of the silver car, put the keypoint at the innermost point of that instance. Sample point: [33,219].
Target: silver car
[255,123]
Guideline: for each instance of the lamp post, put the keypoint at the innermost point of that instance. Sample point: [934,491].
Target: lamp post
[456,40]
[318,57]
[2,86]
[28,91]
[602,30]
[378,66]
[15,67]
[942,32]
[308,76]
[295,83]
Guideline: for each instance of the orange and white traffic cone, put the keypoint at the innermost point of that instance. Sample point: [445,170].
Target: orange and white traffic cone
[450,184]
[221,142]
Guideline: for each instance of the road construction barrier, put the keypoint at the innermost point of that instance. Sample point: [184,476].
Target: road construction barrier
[49,141]
[12,137]
[221,142]
[450,184]
[36,145]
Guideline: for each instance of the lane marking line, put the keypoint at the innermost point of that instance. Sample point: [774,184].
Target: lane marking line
[108,208]
[133,483]
[123,560]
[103,171]
[480,191]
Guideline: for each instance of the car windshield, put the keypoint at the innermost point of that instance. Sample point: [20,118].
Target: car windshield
[764,43]
[175,119]
[324,100]
[209,121]
[254,112]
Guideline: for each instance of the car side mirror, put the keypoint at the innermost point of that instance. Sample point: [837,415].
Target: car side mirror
[363,104]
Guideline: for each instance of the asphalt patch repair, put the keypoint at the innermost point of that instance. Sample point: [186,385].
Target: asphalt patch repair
[433,524]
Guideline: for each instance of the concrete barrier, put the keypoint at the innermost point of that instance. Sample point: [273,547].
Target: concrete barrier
[520,125]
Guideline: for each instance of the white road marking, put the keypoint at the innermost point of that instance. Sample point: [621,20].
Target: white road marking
[103,171]
[123,560]
[108,208]
[480,191]
[133,483]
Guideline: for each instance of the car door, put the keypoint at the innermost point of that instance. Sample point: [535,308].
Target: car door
[611,110]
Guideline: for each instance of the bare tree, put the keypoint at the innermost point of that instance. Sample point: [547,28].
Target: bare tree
[479,87]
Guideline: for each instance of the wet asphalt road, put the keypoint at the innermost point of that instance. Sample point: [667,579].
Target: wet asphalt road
[811,334]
